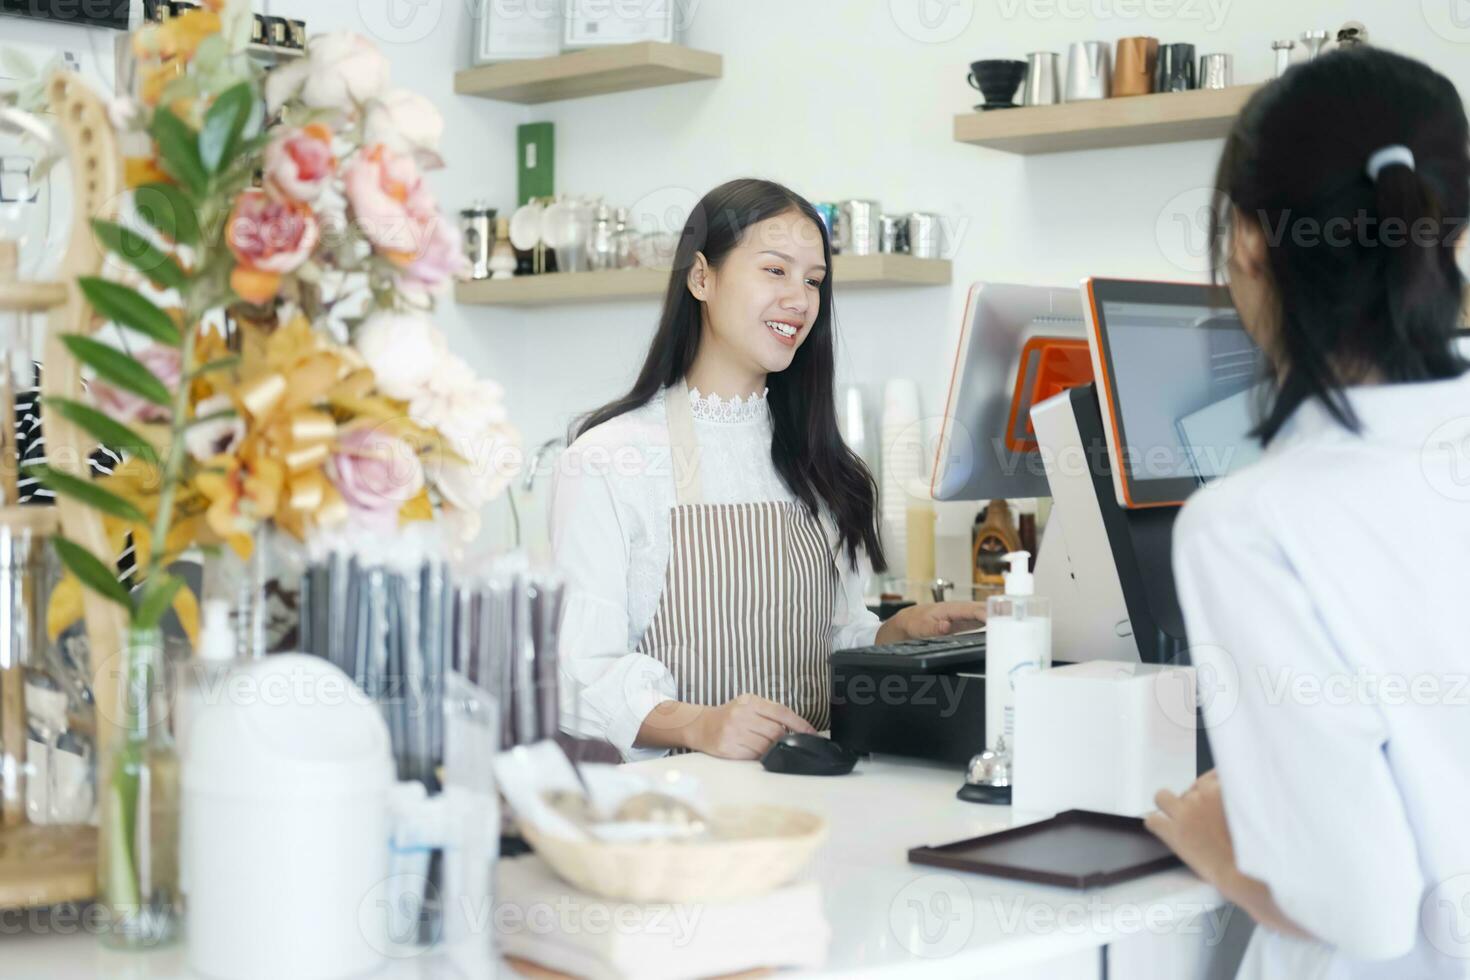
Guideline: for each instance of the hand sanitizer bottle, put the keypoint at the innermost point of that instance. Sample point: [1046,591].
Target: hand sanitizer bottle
[1017,639]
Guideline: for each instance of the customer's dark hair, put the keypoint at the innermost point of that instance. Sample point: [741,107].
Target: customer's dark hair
[1364,270]
[807,447]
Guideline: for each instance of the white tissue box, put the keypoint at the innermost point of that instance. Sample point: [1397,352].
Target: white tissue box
[1103,736]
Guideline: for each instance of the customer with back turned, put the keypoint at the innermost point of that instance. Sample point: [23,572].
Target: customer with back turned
[1324,587]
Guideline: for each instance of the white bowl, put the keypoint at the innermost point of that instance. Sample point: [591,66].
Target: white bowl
[775,844]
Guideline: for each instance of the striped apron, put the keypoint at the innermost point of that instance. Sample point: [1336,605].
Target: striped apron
[748,595]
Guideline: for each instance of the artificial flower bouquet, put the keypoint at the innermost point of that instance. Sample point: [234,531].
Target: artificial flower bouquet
[272,361]
[278,363]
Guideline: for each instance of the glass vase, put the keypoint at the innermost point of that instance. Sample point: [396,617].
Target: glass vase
[138,844]
[263,592]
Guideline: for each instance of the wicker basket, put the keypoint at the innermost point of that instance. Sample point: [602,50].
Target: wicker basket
[773,845]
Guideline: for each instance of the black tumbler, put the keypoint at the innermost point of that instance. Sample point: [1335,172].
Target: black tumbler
[1175,71]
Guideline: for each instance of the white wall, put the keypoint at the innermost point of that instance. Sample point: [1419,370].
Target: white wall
[837,99]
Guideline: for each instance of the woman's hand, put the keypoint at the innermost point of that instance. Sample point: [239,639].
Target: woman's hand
[1194,827]
[741,728]
[931,619]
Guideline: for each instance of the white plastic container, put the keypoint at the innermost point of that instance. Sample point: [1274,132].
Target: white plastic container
[285,826]
[1017,641]
[1104,736]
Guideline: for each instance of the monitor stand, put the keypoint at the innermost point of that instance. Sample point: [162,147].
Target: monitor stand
[1107,569]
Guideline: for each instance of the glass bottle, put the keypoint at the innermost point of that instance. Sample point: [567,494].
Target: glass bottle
[138,845]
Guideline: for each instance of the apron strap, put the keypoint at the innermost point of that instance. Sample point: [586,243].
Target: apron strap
[683,445]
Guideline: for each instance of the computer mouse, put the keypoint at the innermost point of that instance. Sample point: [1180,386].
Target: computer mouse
[808,755]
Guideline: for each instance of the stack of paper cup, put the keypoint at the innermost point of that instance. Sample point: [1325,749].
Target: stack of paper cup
[903,461]
[853,423]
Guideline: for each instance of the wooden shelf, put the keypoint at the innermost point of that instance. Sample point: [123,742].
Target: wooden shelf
[555,289]
[1138,120]
[273,51]
[595,71]
[31,297]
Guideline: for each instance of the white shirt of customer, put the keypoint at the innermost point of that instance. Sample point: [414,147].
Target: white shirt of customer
[1326,592]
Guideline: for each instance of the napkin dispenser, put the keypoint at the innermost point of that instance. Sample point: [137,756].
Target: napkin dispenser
[1103,736]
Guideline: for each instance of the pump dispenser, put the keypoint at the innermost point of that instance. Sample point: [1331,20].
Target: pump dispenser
[1017,640]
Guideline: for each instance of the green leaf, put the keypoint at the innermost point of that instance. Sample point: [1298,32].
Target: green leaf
[138,252]
[167,208]
[129,308]
[88,493]
[158,595]
[108,431]
[91,572]
[121,370]
[218,364]
[178,149]
[223,124]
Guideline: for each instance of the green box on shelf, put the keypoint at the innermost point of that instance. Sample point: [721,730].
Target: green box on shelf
[535,161]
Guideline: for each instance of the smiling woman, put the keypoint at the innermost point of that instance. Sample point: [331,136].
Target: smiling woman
[714,530]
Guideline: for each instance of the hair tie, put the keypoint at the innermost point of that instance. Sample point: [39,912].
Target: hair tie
[1387,157]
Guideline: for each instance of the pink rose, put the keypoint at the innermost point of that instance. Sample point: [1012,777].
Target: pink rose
[376,474]
[391,203]
[299,162]
[441,260]
[269,238]
[127,407]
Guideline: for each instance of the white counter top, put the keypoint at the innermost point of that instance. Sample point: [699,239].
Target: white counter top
[888,917]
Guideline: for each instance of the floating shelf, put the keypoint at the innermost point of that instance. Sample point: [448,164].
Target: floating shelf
[1138,120]
[557,288]
[273,51]
[595,71]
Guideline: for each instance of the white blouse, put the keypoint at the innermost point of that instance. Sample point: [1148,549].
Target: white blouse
[1324,591]
[610,504]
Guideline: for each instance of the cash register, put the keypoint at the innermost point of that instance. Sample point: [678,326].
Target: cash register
[1159,405]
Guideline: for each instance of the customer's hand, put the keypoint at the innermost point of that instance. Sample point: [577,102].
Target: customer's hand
[1194,827]
[931,619]
[743,727]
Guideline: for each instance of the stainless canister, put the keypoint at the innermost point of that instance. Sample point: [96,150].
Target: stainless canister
[1088,71]
[1215,71]
[893,233]
[831,218]
[476,226]
[1043,79]
[860,227]
[25,576]
[925,235]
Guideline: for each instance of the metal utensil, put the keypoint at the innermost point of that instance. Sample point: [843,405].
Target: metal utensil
[1215,71]
[1088,71]
[1283,50]
[1043,79]
[1313,42]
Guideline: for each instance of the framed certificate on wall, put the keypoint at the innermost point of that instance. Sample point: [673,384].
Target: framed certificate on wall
[590,23]
[511,30]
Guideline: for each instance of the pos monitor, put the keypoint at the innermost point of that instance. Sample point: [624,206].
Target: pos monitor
[1179,381]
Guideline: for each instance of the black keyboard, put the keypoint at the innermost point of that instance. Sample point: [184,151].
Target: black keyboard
[921,656]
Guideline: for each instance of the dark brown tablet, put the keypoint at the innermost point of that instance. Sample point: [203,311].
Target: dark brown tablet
[1076,849]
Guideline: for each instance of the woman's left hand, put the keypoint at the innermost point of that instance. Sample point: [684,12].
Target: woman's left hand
[1194,827]
[932,619]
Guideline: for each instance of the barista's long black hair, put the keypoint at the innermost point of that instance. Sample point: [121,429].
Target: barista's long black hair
[1364,270]
[807,447]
